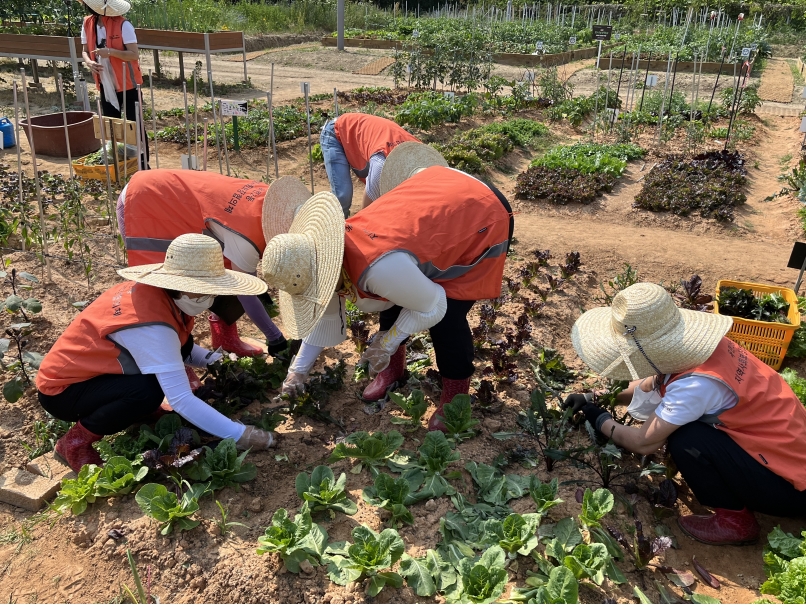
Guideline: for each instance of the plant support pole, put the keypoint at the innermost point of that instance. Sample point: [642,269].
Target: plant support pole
[43,231]
[618,87]
[153,117]
[195,119]
[306,87]
[187,119]
[125,138]
[60,86]
[23,217]
[713,92]
[206,120]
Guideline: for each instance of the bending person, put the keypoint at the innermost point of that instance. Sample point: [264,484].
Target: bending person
[159,205]
[361,143]
[736,431]
[386,259]
[126,351]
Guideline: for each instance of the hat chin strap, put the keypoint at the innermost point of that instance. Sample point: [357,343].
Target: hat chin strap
[624,356]
[626,351]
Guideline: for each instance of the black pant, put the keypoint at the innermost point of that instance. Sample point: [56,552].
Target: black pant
[453,341]
[229,309]
[131,114]
[106,404]
[722,475]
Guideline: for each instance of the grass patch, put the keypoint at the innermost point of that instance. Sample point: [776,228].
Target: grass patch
[793,66]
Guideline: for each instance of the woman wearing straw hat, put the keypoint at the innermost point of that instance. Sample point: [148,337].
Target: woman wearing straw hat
[158,205]
[125,352]
[421,255]
[110,51]
[736,431]
[361,143]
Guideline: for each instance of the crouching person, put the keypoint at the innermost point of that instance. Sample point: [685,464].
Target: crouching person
[126,351]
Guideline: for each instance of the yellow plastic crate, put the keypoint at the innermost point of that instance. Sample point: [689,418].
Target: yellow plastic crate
[98,172]
[766,340]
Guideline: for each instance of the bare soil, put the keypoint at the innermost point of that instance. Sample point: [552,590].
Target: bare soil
[777,83]
[74,560]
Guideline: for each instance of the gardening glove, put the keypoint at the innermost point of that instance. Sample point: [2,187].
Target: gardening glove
[577,401]
[294,383]
[378,354]
[583,402]
[256,439]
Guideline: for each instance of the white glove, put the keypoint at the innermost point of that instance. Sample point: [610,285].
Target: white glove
[294,383]
[256,439]
[376,356]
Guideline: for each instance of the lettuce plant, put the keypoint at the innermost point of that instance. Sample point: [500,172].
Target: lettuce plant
[481,580]
[294,540]
[370,449]
[595,505]
[77,493]
[158,503]
[544,494]
[428,467]
[222,466]
[785,565]
[322,491]
[493,486]
[371,556]
[588,561]
[458,420]
[516,534]
[559,587]
[427,575]
[393,495]
[118,476]
[414,406]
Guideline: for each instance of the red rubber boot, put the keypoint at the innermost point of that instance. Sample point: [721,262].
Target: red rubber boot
[450,389]
[75,447]
[388,378]
[227,338]
[723,527]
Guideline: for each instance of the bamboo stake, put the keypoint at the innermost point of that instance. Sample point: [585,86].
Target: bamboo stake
[19,161]
[206,120]
[195,119]
[125,136]
[153,117]
[110,202]
[306,91]
[43,231]
[187,119]
[60,86]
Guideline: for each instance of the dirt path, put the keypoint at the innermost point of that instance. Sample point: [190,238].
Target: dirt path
[777,82]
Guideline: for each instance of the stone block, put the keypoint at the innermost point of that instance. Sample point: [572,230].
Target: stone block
[26,490]
[50,467]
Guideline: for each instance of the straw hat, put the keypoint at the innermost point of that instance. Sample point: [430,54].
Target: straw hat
[283,199]
[405,161]
[644,333]
[306,262]
[194,263]
[109,8]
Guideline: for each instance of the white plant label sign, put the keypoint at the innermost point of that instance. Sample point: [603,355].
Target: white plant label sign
[234,108]
[572,40]
[449,95]
[651,81]
[539,46]
[746,52]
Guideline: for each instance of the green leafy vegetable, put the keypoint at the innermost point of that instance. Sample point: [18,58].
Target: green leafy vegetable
[743,303]
[163,432]
[368,557]
[796,383]
[595,505]
[429,468]
[294,540]
[481,580]
[588,561]
[457,418]
[517,534]
[393,495]
[544,494]
[493,486]
[118,476]
[560,587]
[427,575]
[370,449]
[77,493]
[158,503]
[785,565]
[414,406]
[222,466]
[323,492]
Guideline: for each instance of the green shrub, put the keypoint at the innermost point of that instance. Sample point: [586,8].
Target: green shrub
[426,109]
[591,158]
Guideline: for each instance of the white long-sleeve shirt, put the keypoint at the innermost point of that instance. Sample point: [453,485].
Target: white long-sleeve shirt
[156,350]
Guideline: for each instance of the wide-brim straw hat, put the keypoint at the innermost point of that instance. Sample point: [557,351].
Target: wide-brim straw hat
[283,199]
[194,263]
[109,8]
[305,263]
[405,161]
[644,333]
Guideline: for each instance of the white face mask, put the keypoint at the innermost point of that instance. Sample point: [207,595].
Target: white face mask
[194,306]
[643,403]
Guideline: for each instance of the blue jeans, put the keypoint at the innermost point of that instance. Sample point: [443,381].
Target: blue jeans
[337,167]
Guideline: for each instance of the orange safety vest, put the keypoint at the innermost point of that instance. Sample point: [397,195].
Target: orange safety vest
[362,136]
[161,205]
[452,223]
[114,39]
[769,421]
[85,350]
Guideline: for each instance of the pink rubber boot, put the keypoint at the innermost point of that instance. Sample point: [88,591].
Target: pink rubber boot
[227,338]
[385,380]
[450,389]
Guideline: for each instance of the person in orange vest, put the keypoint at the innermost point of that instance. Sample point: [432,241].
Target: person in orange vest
[124,353]
[361,143]
[433,244]
[736,431]
[158,205]
[109,49]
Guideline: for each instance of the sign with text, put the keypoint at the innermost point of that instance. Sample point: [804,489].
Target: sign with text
[602,32]
[234,108]
[746,52]
[572,40]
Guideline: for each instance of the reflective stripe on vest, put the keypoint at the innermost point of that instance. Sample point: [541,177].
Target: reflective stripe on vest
[153,244]
[442,218]
[769,421]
